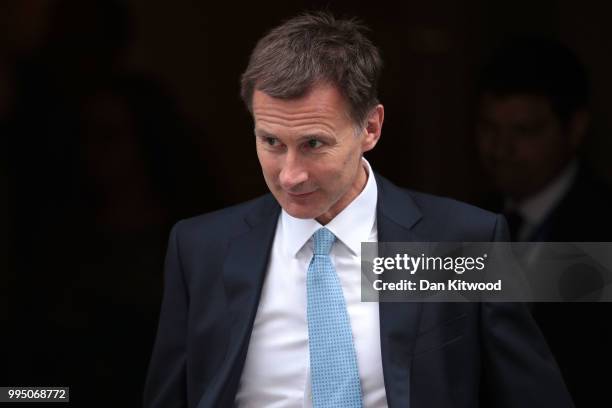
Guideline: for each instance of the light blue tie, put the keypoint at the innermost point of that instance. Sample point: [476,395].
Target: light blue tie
[333,362]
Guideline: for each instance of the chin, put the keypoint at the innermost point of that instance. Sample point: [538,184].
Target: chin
[302,211]
[518,191]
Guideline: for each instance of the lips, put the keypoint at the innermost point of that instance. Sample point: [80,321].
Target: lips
[299,195]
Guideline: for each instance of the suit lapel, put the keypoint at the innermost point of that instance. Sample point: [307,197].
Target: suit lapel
[396,214]
[243,275]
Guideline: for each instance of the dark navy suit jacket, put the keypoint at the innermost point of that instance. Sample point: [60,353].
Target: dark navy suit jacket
[434,354]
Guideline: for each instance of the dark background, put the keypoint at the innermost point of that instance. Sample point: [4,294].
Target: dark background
[120,118]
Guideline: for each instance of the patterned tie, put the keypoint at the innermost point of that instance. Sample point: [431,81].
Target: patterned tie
[333,363]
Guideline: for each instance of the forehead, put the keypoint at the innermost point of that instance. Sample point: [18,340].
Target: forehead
[323,105]
[516,107]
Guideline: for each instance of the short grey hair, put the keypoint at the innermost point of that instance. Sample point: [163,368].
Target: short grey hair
[316,48]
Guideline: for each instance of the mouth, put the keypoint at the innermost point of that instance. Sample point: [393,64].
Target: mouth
[299,195]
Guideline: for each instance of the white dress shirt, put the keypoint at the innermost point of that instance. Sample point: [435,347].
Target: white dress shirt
[277,368]
[536,208]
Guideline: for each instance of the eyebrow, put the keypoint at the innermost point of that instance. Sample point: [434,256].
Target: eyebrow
[262,133]
[322,136]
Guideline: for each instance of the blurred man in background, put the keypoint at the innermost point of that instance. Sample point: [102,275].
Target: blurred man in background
[533,119]
[532,123]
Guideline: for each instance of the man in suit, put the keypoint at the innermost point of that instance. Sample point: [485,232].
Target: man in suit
[533,120]
[262,300]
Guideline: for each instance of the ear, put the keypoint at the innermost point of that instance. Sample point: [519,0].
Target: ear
[578,127]
[373,128]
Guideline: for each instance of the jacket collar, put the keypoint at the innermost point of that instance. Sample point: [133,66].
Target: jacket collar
[397,215]
[244,271]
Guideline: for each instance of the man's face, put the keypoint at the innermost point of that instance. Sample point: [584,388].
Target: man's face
[522,143]
[309,151]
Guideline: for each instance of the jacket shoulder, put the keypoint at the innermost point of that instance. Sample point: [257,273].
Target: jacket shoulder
[456,219]
[226,222]
[440,218]
[445,206]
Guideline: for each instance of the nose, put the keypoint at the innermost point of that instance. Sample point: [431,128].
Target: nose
[498,144]
[505,148]
[293,174]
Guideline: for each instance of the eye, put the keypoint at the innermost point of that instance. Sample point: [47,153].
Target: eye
[271,141]
[314,144]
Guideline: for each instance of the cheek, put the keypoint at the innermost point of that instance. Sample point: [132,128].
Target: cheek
[536,151]
[526,150]
[268,163]
[344,169]
[485,145]
[324,173]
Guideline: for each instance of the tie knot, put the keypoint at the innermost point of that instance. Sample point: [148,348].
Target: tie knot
[323,241]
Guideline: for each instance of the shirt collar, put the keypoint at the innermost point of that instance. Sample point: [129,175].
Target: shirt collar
[351,226]
[536,208]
